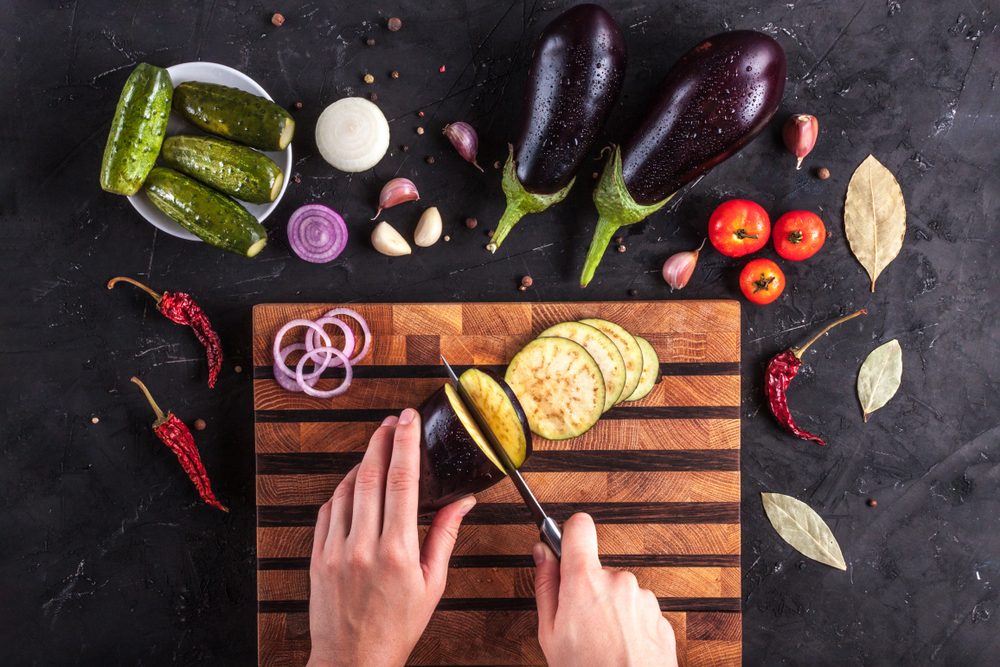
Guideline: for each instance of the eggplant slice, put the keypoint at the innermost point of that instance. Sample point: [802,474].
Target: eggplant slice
[602,349]
[650,370]
[559,385]
[499,406]
[630,351]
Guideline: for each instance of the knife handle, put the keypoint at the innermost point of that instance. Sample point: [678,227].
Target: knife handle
[552,536]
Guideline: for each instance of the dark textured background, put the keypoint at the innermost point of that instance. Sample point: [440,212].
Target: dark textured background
[106,557]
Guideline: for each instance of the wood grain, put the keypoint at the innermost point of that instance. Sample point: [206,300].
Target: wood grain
[660,476]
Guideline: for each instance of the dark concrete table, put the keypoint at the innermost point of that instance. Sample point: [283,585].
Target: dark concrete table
[107,558]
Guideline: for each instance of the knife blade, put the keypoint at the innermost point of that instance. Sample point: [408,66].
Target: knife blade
[547,527]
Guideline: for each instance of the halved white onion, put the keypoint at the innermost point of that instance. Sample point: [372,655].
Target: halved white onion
[352,134]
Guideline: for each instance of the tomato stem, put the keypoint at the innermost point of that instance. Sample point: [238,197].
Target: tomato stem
[799,351]
[795,237]
[742,234]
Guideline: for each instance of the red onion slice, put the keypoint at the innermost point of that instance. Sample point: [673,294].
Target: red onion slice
[276,349]
[348,347]
[366,332]
[317,233]
[288,383]
[340,389]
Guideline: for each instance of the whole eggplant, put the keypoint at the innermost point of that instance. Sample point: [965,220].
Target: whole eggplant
[575,77]
[714,101]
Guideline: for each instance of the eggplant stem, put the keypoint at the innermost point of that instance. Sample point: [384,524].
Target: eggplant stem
[605,231]
[799,351]
[512,214]
[160,417]
[132,281]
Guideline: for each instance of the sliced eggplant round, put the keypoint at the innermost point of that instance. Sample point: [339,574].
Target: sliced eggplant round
[559,385]
[629,348]
[650,370]
[499,406]
[602,349]
[455,459]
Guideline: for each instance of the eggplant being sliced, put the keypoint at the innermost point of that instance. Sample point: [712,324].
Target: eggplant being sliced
[630,351]
[650,370]
[455,459]
[576,74]
[499,406]
[714,101]
[559,385]
[602,349]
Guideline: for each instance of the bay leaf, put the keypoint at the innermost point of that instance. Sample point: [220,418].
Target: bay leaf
[874,216]
[802,528]
[879,377]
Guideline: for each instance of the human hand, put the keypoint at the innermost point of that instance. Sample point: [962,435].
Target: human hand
[589,615]
[372,588]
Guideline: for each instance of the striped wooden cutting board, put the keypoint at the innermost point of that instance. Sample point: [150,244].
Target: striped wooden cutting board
[660,476]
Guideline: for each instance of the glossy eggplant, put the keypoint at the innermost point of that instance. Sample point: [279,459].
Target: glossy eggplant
[576,74]
[714,101]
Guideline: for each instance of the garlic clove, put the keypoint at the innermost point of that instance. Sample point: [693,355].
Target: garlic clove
[429,228]
[799,134]
[465,140]
[388,241]
[678,268]
[395,192]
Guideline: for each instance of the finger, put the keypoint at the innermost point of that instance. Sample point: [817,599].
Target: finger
[321,530]
[401,483]
[341,506]
[441,538]
[579,544]
[546,586]
[369,485]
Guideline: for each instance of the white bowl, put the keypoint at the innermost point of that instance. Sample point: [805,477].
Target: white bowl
[227,76]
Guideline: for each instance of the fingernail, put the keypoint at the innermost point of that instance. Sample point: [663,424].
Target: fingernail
[409,414]
[538,553]
[389,421]
[467,507]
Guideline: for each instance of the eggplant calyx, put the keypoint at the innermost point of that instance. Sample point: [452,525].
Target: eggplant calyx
[520,202]
[615,209]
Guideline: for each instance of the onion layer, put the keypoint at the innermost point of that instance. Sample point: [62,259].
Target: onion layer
[322,355]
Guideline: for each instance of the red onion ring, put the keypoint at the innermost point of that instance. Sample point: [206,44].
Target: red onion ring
[276,349]
[317,233]
[340,389]
[288,383]
[356,316]
[349,341]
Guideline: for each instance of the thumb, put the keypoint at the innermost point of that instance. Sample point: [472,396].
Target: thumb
[441,538]
[546,586]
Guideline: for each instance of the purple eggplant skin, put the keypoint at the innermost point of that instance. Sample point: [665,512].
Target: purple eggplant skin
[714,100]
[452,464]
[576,74]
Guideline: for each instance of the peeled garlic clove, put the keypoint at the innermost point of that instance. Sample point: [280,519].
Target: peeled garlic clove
[799,134]
[388,241]
[678,268]
[429,228]
[395,192]
[465,140]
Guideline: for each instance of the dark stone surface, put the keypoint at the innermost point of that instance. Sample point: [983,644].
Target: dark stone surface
[106,556]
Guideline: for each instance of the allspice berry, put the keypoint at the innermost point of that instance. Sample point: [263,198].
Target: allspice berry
[872,502]
[368,78]
[527,282]
[370,41]
[277,20]
[299,105]
[200,425]
[394,24]
[429,159]
[822,173]
[420,130]
[621,247]
[471,223]
[394,74]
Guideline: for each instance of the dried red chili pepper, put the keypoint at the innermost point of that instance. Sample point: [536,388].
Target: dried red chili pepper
[782,369]
[180,308]
[176,435]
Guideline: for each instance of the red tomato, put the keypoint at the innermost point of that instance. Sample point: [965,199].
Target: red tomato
[799,235]
[739,227]
[762,281]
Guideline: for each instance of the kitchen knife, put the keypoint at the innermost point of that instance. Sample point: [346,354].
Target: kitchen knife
[547,527]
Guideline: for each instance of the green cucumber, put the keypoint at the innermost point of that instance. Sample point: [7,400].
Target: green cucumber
[228,167]
[211,216]
[137,129]
[235,114]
